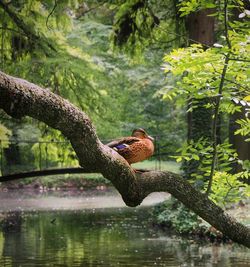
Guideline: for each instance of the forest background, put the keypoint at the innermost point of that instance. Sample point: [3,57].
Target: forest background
[179,69]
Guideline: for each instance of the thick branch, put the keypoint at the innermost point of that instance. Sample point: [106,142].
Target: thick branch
[197,202]
[20,98]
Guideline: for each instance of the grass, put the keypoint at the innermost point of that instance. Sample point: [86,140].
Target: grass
[171,166]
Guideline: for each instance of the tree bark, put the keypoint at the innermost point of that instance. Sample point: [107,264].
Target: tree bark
[200,27]
[20,98]
[238,141]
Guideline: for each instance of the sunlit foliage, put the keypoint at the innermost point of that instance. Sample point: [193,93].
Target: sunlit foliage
[219,73]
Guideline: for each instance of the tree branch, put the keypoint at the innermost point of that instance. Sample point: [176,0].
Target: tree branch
[20,98]
[81,14]
[240,59]
[22,175]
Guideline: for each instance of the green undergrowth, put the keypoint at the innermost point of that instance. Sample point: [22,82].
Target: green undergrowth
[173,215]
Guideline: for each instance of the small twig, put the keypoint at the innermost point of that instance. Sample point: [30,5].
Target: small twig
[229,190]
[29,32]
[141,170]
[227,194]
[51,12]
[214,126]
[90,9]
[231,81]
[241,60]
[226,24]
[182,35]
[217,105]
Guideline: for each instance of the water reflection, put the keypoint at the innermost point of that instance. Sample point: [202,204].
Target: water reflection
[18,200]
[106,237]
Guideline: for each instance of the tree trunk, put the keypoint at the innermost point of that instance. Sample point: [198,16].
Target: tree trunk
[199,125]
[200,29]
[238,141]
[20,98]
[12,157]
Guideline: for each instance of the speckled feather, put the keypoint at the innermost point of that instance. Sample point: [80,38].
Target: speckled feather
[134,149]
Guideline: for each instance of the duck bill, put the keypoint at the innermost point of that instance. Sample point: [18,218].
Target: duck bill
[150,138]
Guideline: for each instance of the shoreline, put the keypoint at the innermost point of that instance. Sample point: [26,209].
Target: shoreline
[23,200]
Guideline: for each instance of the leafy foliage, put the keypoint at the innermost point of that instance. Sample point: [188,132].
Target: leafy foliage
[199,72]
[133,20]
[188,6]
[227,187]
[217,74]
[53,150]
[140,24]
[4,135]
[173,214]
[244,127]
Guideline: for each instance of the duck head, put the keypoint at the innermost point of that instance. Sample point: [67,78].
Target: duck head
[142,134]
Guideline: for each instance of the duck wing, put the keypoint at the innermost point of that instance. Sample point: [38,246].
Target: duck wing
[123,142]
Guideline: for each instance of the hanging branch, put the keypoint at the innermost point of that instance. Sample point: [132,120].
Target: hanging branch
[51,12]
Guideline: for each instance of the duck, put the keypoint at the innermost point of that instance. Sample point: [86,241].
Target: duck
[135,148]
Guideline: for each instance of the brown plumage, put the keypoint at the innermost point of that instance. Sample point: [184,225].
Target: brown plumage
[137,147]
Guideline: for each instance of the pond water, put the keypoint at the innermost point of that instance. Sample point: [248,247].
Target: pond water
[104,237]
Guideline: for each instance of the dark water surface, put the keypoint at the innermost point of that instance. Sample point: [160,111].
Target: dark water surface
[105,237]
[78,229]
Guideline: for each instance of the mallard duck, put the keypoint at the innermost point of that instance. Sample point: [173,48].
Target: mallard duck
[137,147]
